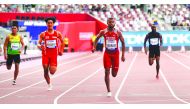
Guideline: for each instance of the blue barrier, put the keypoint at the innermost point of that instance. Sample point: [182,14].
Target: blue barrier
[35,27]
[170,38]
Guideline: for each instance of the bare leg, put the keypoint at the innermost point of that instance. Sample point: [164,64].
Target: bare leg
[114,72]
[157,66]
[107,79]
[16,70]
[151,61]
[9,67]
[46,75]
[52,69]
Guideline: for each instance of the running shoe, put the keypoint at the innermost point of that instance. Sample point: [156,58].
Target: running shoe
[14,82]
[50,87]
[109,94]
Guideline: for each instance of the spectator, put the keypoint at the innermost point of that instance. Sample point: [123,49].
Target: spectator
[26,42]
[150,7]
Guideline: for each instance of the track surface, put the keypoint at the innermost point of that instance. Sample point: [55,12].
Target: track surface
[80,80]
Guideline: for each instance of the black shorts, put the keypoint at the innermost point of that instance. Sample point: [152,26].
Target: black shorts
[154,52]
[99,47]
[11,58]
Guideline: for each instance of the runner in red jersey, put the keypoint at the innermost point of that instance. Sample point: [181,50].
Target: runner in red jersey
[111,54]
[48,42]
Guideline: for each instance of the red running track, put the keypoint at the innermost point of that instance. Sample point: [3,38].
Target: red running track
[80,80]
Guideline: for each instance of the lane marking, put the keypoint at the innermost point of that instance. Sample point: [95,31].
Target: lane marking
[182,55]
[177,61]
[84,64]
[82,81]
[42,69]
[124,79]
[23,68]
[169,87]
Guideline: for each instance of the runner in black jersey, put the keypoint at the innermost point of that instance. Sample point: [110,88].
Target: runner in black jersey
[155,41]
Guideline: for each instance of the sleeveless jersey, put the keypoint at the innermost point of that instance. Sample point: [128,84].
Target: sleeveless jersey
[51,43]
[111,40]
[14,44]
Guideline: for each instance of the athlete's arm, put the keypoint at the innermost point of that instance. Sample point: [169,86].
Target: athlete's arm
[5,47]
[146,38]
[22,43]
[60,36]
[161,41]
[123,46]
[40,40]
[100,34]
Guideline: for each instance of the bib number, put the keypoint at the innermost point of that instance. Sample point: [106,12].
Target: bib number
[154,41]
[111,44]
[15,46]
[51,43]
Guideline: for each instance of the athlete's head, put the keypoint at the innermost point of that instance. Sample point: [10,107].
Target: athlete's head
[153,27]
[111,22]
[50,22]
[14,27]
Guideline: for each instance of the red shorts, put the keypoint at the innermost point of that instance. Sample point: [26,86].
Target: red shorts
[49,60]
[111,60]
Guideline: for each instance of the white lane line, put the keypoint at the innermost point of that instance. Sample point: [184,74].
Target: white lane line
[42,69]
[182,55]
[23,68]
[52,78]
[165,101]
[124,79]
[177,61]
[169,87]
[59,96]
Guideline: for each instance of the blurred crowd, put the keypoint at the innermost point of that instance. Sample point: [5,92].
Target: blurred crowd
[134,17]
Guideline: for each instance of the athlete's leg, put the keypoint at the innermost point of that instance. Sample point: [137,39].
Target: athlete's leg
[157,62]
[53,64]
[9,67]
[150,60]
[16,59]
[16,71]
[107,65]
[157,55]
[114,72]
[115,64]
[9,62]
[107,79]
[151,57]
[45,64]
[52,69]
[46,73]
[157,66]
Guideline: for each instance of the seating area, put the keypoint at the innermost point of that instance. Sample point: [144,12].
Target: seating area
[128,17]
[173,15]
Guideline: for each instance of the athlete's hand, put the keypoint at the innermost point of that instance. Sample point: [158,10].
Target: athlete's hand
[19,51]
[5,57]
[93,49]
[39,46]
[60,53]
[123,58]
[145,50]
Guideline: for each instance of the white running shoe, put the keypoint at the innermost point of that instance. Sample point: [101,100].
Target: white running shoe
[109,94]
[14,82]
[50,87]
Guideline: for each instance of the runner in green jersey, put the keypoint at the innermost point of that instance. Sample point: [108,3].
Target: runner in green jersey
[12,49]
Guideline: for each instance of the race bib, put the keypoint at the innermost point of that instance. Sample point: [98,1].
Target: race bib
[111,44]
[15,46]
[51,43]
[154,41]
